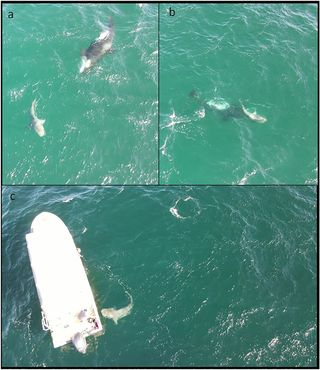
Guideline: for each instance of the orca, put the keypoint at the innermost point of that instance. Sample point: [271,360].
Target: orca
[226,110]
[98,48]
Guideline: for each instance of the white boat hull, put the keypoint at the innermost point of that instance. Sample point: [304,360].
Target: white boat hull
[67,303]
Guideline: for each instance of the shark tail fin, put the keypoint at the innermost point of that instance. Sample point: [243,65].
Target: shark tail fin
[130,297]
[33,107]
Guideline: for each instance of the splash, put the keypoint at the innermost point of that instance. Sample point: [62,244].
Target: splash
[67,199]
[185,208]
[218,104]
[245,178]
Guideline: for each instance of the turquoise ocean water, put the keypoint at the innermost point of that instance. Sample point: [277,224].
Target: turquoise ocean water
[101,127]
[263,55]
[220,276]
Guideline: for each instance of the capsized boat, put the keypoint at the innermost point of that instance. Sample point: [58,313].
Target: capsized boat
[66,299]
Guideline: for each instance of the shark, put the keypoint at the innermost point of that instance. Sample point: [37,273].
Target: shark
[228,111]
[117,314]
[36,123]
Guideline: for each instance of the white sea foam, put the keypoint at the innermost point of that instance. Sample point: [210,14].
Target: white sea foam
[218,103]
[245,178]
[193,208]
[67,199]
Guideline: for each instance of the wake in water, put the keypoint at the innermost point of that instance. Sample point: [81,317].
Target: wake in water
[228,111]
[245,178]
